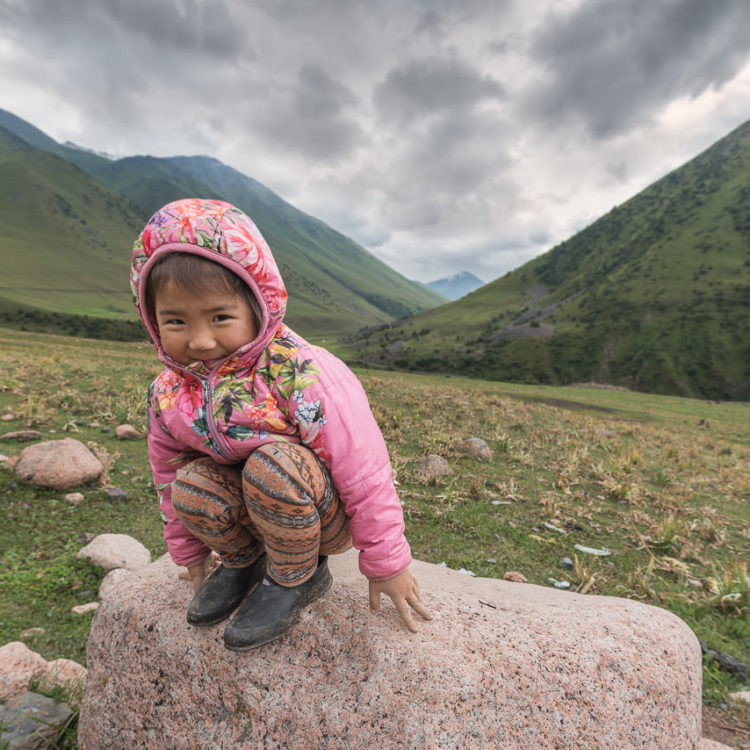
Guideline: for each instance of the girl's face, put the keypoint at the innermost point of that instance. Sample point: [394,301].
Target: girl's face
[208,327]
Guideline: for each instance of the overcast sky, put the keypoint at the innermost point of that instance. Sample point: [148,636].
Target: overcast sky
[442,135]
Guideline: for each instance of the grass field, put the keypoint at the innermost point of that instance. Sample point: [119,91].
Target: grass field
[662,482]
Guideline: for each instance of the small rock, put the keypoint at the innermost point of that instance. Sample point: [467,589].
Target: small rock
[64,673]
[32,631]
[74,498]
[111,581]
[94,424]
[30,720]
[23,436]
[126,432]
[85,537]
[552,527]
[82,609]
[116,494]
[742,696]
[466,572]
[18,665]
[433,466]
[559,584]
[474,447]
[515,576]
[106,429]
[58,464]
[566,563]
[111,551]
[491,561]
[695,583]
[732,664]
[8,417]
[13,486]
[603,552]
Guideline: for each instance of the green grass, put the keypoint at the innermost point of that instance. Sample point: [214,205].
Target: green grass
[663,482]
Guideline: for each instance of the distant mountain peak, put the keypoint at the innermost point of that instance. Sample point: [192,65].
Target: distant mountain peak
[456,286]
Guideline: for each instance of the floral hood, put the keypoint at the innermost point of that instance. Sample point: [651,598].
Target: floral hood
[222,233]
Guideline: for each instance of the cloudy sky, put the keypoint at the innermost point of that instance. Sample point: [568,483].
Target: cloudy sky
[442,135]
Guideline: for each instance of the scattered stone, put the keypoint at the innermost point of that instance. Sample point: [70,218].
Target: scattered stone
[85,537]
[743,696]
[84,609]
[23,436]
[64,673]
[474,447]
[94,424]
[433,466]
[500,502]
[466,572]
[32,631]
[106,429]
[116,494]
[515,577]
[4,459]
[111,551]
[603,552]
[127,432]
[695,583]
[13,486]
[111,581]
[58,464]
[491,561]
[567,564]
[74,498]
[8,417]
[18,666]
[30,720]
[732,664]
[552,527]
[615,673]
[559,584]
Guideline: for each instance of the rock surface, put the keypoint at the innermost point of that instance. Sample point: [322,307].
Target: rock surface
[501,665]
[111,581]
[59,464]
[32,721]
[18,665]
[110,551]
[23,436]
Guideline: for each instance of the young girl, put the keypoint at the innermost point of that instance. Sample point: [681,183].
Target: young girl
[263,447]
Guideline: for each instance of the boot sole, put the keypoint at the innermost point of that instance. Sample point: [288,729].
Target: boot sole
[314,593]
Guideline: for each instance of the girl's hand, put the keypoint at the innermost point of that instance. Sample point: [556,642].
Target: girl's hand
[403,590]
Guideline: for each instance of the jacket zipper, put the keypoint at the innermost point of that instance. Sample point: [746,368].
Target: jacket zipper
[213,428]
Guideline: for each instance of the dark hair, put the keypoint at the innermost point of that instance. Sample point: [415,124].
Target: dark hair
[196,274]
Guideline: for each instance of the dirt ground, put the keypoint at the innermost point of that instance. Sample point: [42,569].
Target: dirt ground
[726,727]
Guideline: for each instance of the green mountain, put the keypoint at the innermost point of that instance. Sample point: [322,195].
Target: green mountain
[653,296]
[335,286]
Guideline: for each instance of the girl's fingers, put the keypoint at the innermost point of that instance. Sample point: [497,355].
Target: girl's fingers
[418,606]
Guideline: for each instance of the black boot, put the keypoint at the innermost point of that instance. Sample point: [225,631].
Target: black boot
[270,609]
[222,591]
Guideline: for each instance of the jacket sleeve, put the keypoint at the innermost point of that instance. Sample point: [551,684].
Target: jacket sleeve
[166,456]
[330,409]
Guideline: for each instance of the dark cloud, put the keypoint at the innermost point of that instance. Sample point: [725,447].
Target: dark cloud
[423,87]
[191,26]
[311,117]
[613,62]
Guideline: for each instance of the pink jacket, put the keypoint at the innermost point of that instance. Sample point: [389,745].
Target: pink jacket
[277,387]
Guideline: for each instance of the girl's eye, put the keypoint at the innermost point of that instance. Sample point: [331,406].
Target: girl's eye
[174,322]
[220,318]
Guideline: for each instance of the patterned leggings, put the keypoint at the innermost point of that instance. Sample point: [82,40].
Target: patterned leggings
[282,501]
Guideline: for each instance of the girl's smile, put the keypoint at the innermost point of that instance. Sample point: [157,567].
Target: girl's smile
[208,327]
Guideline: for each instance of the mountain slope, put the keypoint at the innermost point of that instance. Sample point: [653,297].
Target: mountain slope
[335,286]
[654,296]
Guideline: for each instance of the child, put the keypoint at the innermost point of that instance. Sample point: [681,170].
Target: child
[263,447]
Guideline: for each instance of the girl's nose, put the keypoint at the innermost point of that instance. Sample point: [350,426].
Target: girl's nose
[202,341]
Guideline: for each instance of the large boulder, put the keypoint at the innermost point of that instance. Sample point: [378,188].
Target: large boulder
[502,664]
[59,464]
[110,551]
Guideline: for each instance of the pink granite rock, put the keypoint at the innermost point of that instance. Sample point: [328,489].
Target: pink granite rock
[59,464]
[500,665]
[474,447]
[126,432]
[111,551]
[18,665]
[433,466]
[64,673]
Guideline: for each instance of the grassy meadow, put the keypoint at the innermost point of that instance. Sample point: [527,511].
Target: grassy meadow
[662,482]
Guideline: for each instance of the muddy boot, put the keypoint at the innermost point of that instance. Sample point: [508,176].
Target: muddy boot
[270,609]
[222,591]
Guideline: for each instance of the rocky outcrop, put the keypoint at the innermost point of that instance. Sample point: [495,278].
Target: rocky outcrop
[507,665]
[111,551]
